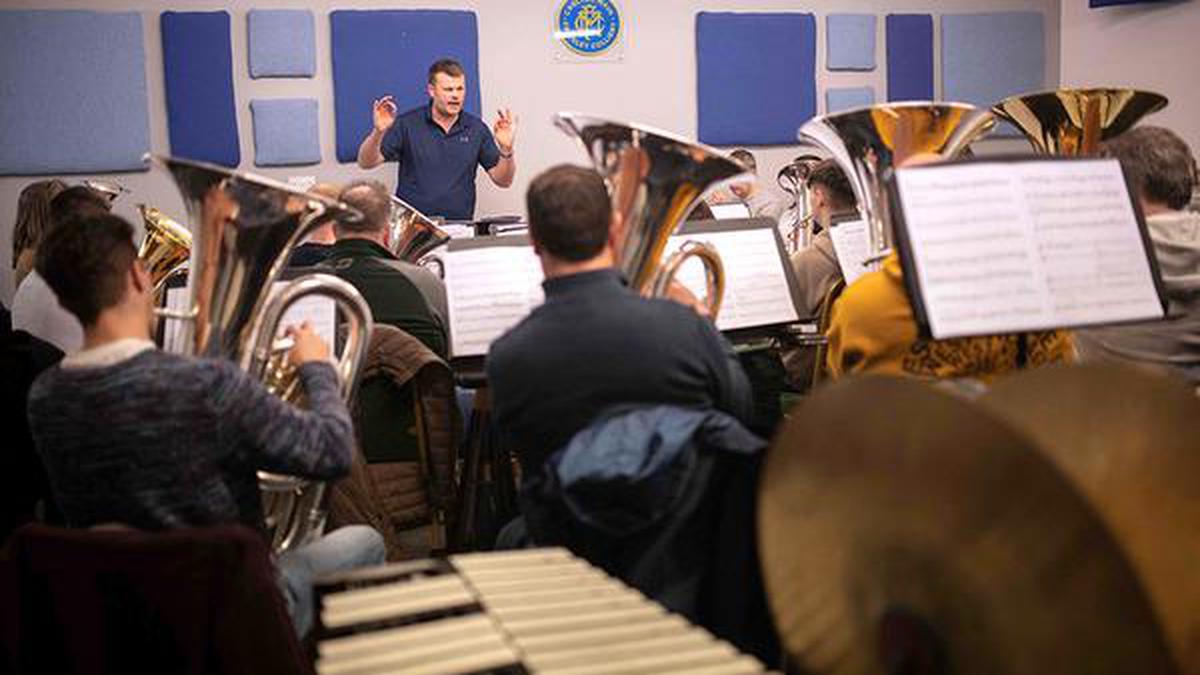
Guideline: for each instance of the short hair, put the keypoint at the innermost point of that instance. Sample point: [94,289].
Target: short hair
[745,157]
[371,199]
[33,214]
[447,67]
[85,261]
[569,212]
[827,174]
[1158,163]
[78,201]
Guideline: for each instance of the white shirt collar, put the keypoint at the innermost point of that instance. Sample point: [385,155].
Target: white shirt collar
[107,354]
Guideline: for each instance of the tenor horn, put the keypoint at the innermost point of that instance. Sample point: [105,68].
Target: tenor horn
[868,142]
[1076,121]
[165,248]
[654,180]
[243,229]
[414,235]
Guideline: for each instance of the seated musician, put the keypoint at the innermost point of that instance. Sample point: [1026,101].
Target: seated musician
[316,246]
[399,294]
[816,268]
[596,343]
[1159,165]
[152,440]
[872,330]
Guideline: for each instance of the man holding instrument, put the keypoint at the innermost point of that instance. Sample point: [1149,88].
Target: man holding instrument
[438,146]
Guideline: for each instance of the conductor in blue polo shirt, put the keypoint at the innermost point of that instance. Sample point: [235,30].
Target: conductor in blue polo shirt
[438,146]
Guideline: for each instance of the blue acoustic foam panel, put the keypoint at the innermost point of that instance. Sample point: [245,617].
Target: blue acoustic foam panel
[756,76]
[987,57]
[74,86]
[846,98]
[378,52]
[198,70]
[282,43]
[285,132]
[910,57]
[850,42]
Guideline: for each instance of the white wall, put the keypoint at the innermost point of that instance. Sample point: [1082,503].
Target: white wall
[655,83]
[1154,47]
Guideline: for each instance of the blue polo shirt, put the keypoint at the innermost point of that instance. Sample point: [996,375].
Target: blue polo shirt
[437,169]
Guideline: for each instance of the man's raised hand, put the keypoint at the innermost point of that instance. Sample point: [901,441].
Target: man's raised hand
[505,130]
[383,113]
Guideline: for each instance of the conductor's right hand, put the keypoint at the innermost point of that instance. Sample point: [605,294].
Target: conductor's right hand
[307,346]
[383,112]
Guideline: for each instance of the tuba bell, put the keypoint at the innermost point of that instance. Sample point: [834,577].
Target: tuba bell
[413,235]
[1076,121]
[165,248]
[654,180]
[243,229]
[868,142]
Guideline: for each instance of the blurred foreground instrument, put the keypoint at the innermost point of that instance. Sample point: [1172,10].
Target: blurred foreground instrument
[1076,121]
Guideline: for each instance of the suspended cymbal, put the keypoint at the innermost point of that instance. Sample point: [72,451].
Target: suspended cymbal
[1130,441]
[903,529]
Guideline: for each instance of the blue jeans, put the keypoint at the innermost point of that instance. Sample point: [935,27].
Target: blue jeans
[343,549]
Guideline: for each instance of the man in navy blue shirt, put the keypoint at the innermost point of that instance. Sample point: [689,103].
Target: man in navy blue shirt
[438,146]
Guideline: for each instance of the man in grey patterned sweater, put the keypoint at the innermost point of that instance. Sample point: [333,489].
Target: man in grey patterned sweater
[133,435]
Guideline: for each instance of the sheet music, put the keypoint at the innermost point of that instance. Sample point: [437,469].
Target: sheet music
[489,290]
[174,333]
[756,286]
[318,310]
[1001,247]
[852,245]
[729,210]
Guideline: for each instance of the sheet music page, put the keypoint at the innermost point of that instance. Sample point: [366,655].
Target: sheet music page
[852,246]
[756,287]
[489,290]
[1002,247]
[174,335]
[318,310]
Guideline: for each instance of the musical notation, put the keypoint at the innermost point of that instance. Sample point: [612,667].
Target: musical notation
[852,245]
[1014,246]
[756,286]
[318,310]
[489,290]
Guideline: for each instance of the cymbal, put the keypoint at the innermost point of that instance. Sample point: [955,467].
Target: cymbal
[906,530]
[1130,442]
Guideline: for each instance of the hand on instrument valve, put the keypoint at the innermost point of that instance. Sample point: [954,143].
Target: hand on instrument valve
[505,130]
[307,346]
[383,113]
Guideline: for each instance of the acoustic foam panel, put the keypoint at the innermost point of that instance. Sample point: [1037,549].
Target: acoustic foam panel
[285,132]
[198,70]
[755,73]
[282,43]
[910,57]
[74,86]
[846,98]
[378,52]
[850,42]
[987,57]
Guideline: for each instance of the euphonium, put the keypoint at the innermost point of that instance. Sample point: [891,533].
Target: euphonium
[867,142]
[414,235]
[243,229]
[654,180]
[165,247]
[1076,121]
[793,179]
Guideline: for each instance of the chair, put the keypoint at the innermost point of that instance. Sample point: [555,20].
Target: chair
[406,418]
[201,600]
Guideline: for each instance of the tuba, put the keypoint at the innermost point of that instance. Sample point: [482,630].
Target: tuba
[654,180]
[413,235]
[867,142]
[165,248]
[1076,121]
[243,229]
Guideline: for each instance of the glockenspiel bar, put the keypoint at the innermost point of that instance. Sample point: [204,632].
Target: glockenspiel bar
[404,636]
[549,644]
[716,654]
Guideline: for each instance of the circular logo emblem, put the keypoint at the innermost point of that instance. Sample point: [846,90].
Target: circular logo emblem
[589,26]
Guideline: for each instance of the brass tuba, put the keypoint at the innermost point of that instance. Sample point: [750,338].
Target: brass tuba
[867,142]
[1076,121]
[243,229]
[654,179]
[165,248]
[413,235]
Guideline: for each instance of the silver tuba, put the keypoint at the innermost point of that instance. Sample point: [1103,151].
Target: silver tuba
[655,179]
[413,235]
[867,142]
[243,229]
[1076,121]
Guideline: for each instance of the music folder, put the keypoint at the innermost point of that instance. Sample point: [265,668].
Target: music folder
[494,282]
[1013,244]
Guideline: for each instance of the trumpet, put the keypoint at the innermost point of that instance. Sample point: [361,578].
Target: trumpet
[654,180]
